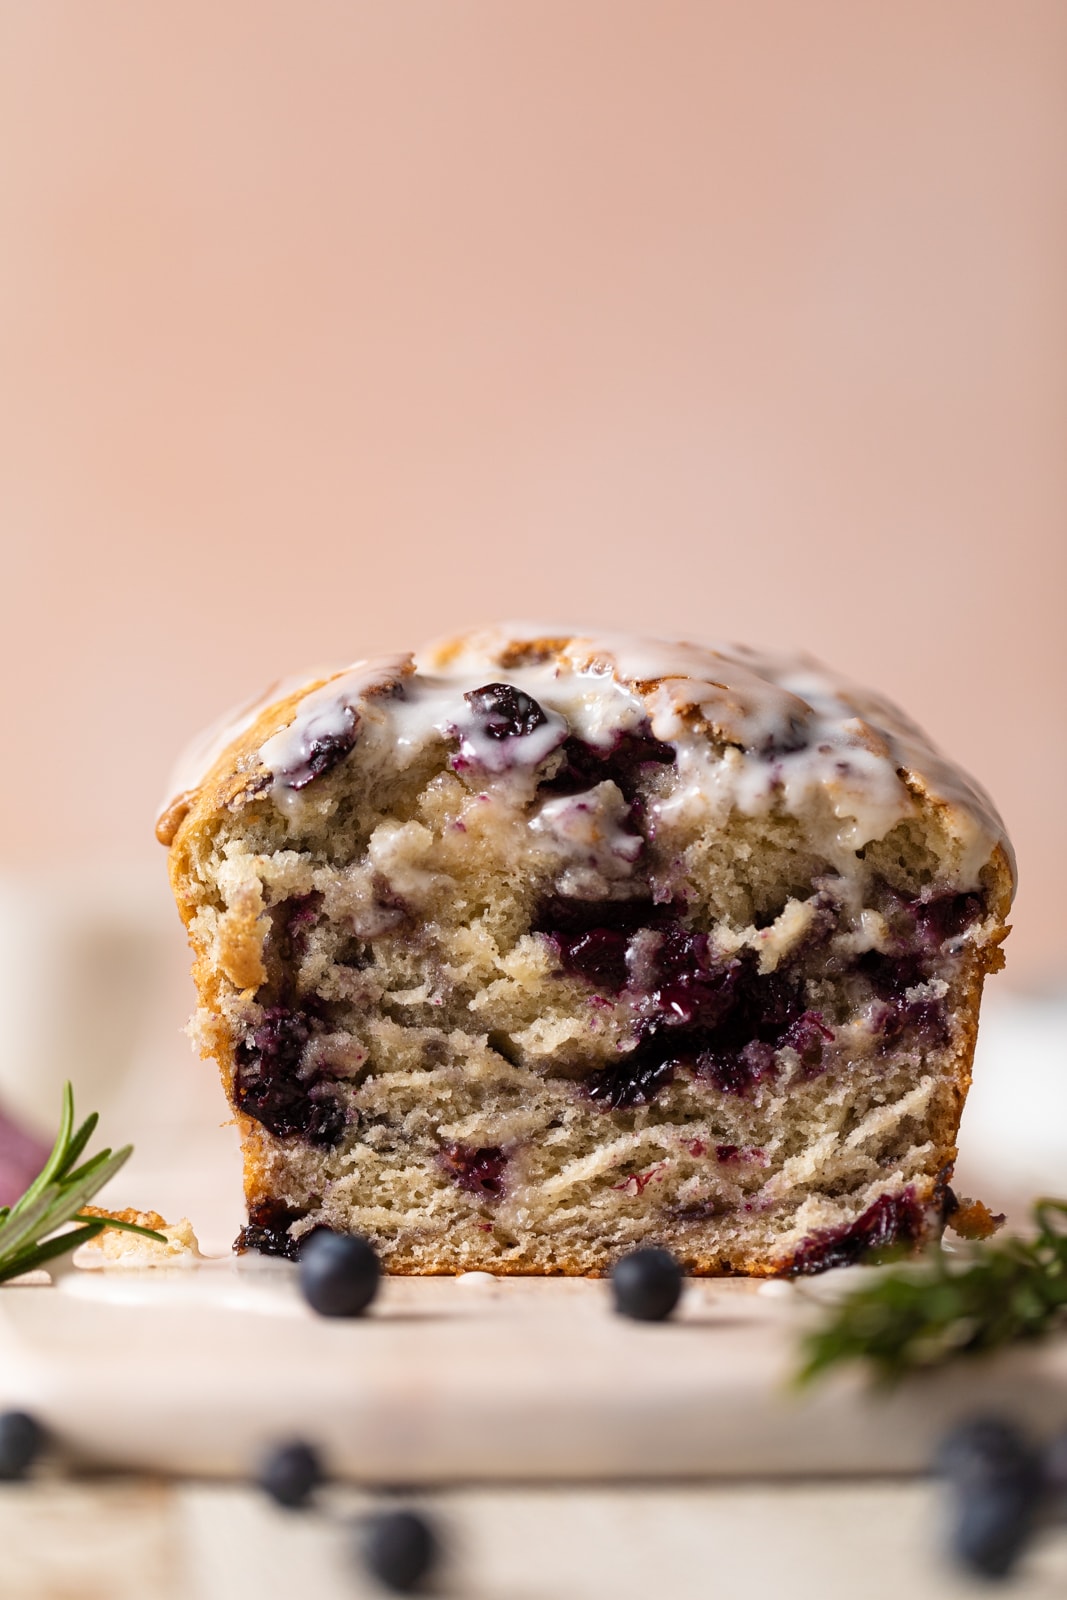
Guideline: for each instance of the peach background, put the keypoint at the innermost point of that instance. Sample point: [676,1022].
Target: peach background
[327,326]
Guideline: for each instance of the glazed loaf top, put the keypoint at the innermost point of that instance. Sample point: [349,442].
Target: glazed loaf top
[749,730]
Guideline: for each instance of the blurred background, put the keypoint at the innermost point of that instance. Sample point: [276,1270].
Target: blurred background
[327,328]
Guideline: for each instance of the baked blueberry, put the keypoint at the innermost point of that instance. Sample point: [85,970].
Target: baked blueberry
[339,1273]
[505,712]
[290,1473]
[21,1442]
[399,1549]
[646,1284]
[268,1083]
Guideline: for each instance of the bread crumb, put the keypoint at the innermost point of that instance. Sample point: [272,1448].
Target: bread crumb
[973,1220]
[117,1248]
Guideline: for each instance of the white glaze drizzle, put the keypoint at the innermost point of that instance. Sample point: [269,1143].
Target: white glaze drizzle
[752,730]
[204,749]
[331,713]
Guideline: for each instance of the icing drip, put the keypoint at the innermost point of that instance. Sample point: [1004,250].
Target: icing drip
[750,731]
[326,725]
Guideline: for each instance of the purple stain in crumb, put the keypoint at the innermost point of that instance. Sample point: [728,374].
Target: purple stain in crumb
[808,1035]
[893,1220]
[267,1230]
[890,975]
[723,1018]
[291,921]
[505,712]
[585,765]
[684,984]
[947,916]
[598,956]
[267,1084]
[476,1171]
[641,1180]
[924,1022]
[736,1154]
[591,937]
[921,925]
[632,1081]
[737,1071]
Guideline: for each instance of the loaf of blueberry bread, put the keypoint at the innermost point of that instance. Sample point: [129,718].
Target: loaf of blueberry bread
[535,948]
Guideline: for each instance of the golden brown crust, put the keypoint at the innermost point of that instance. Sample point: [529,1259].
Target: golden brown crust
[172,818]
[141,1219]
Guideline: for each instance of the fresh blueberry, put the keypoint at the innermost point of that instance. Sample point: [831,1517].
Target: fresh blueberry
[646,1284]
[995,1477]
[21,1442]
[339,1273]
[984,1449]
[991,1526]
[398,1548]
[290,1474]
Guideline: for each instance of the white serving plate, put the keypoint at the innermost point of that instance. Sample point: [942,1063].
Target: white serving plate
[472,1379]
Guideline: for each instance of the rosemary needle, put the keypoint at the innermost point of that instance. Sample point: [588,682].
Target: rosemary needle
[912,1319]
[28,1229]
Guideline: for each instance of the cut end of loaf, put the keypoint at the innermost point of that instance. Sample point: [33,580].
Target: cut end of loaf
[538,954]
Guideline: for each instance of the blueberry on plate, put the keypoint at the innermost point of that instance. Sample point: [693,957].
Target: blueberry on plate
[290,1474]
[646,1284]
[398,1548]
[339,1273]
[996,1482]
[21,1442]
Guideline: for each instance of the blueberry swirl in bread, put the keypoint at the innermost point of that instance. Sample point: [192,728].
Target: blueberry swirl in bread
[539,946]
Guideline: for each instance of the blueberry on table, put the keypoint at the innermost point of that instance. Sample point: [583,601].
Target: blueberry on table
[398,1548]
[21,1442]
[290,1474]
[646,1284]
[339,1273]
[996,1482]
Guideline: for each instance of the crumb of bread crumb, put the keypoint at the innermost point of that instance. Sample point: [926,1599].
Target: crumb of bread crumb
[117,1248]
[974,1220]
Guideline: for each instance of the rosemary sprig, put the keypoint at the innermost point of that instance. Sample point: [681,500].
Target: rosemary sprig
[28,1229]
[920,1317]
